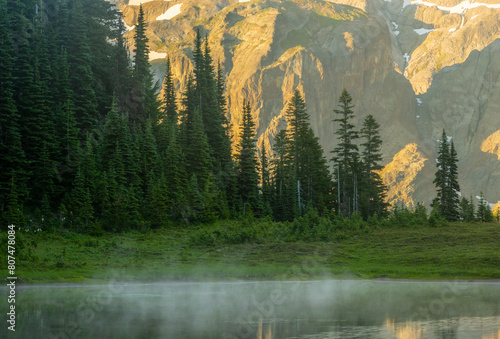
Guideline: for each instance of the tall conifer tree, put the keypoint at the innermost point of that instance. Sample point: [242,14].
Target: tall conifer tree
[446,180]
[346,156]
[372,189]
[248,177]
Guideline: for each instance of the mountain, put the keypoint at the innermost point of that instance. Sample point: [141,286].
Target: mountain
[418,66]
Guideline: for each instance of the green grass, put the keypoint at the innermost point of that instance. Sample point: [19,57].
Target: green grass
[261,250]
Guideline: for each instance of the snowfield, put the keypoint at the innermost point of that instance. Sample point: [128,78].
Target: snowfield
[170,13]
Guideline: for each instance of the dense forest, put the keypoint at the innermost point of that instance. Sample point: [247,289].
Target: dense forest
[89,143]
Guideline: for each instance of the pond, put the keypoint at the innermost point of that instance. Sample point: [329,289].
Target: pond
[278,309]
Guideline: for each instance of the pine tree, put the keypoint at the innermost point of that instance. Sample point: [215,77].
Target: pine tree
[198,152]
[466,209]
[168,119]
[313,182]
[80,204]
[12,157]
[346,157]
[144,100]
[441,176]
[148,151]
[169,112]
[484,213]
[65,125]
[446,181]
[284,182]
[80,70]
[175,172]
[248,177]
[453,186]
[121,71]
[12,212]
[372,189]
[227,173]
[265,178]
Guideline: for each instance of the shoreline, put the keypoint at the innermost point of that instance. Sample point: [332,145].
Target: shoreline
[458,252]
[493,281]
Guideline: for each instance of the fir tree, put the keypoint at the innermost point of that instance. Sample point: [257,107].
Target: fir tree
[446,181]
[484,213]
[169,112]
[265,177]
[80,205]
[197,152]
[12,157]
[453,186]
[372,189]
[121,71]
[313,182]
[284,182]
[144,101]
[466,209]
[346,157]
[248,177]
[80,70]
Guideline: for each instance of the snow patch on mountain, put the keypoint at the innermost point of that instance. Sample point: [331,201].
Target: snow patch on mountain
[422,31]
[459,9]
[156,55]
[170,13]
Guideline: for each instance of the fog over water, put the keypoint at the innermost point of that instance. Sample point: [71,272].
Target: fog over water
[280,309]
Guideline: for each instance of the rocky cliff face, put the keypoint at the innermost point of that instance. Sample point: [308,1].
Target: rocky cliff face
[417,66]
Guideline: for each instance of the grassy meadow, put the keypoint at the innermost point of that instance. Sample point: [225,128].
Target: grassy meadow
[309,248]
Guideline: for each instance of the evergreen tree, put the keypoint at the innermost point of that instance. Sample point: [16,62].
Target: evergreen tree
[484,213]
[310,169]
[148,151]
[12,211]
[65,125]
[12,157]
[158,209]
[169,112]
[248,177]
[80,70]
[80,205]
[198,152]
[446,181]
[466,210]
[121,71]
[175,169]
[144,102]
[265,177]
[284,182]
[372,189]
[346,157]
[453,186]
[168,118]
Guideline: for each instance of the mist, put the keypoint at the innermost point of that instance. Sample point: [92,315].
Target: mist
[261,309]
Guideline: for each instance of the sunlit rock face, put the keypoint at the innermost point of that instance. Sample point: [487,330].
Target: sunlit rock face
[400,175]
[418,66]
[492,144]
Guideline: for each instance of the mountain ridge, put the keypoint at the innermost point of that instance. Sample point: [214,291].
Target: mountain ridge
[408,80]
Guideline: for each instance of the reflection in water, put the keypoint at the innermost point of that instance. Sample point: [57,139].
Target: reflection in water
[466,327]
[268,334]
[492,336]
[407,330]
[262,310]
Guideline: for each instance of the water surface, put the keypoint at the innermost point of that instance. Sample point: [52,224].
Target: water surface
[282,309]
